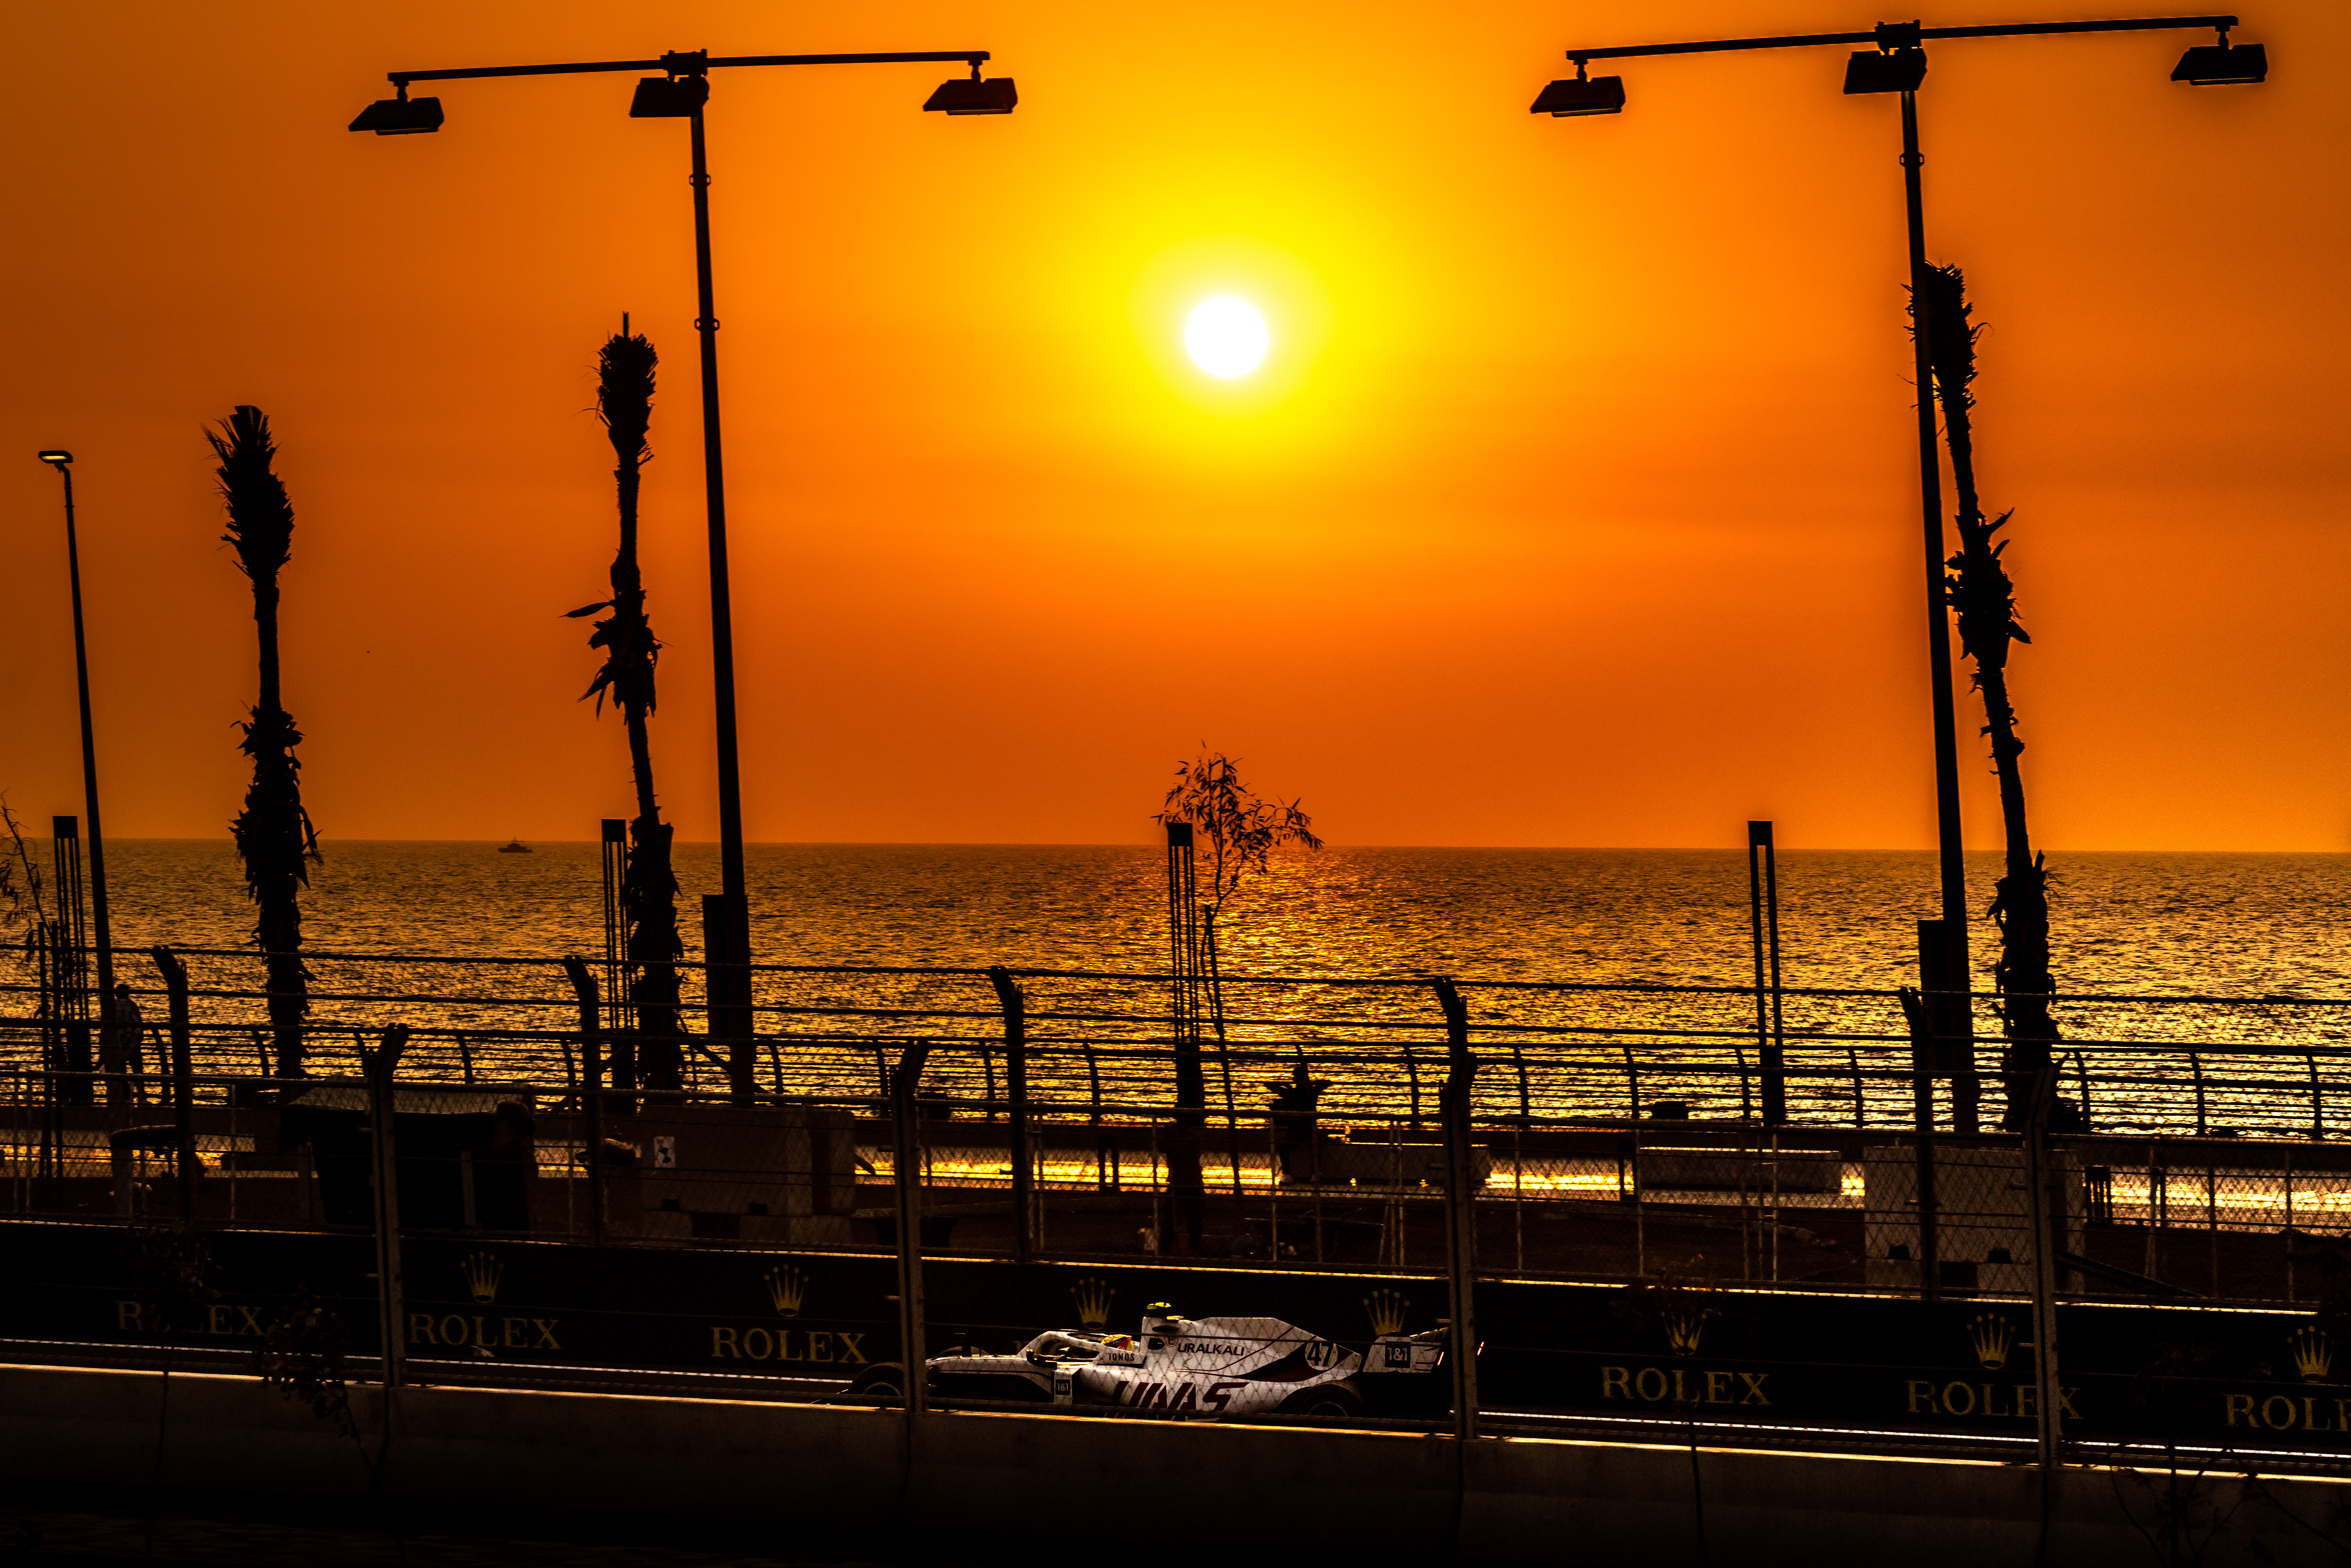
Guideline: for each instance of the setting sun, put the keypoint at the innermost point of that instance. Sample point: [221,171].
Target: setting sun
[1226,337]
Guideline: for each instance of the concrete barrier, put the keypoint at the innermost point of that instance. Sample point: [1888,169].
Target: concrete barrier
[1257,1489]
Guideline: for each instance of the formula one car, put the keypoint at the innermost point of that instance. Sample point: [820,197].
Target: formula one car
[1214,1366]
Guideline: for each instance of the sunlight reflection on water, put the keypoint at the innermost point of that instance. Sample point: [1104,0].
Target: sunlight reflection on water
[2214,924]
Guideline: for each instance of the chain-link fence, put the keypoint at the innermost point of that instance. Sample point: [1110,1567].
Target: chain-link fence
[1617,1128]
[1037,1187]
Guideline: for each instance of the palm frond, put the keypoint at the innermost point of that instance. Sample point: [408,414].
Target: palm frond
[260,517]
[624,394]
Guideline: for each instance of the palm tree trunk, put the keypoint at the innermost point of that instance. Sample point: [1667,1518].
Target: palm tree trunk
[274,834]
[1985,599]
[649,881]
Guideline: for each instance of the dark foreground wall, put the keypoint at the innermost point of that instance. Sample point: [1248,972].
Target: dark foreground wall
[1258,1489]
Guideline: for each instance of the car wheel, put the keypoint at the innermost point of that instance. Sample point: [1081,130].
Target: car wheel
[883,1380]
[1330,1400]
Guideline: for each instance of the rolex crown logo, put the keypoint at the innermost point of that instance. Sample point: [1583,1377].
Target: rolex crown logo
[786,1288]
[1093,1297]
[482,1272]
[1683,1324]
[2314,1352]
[1388,1309]
[1991,1339]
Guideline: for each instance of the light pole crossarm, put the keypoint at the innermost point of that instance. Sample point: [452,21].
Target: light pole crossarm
[1812,41]
[578,68]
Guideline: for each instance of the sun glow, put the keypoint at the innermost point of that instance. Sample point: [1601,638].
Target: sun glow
[1226,337]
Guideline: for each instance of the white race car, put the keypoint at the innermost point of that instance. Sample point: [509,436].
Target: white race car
[1214,1366]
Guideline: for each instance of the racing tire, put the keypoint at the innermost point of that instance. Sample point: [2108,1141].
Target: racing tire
[1332,1401]
[884,1380]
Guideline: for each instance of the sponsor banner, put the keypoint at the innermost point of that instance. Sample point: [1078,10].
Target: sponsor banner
[2129,1372]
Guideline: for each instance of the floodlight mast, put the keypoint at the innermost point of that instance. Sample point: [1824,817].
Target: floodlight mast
[726,940]
[101,927]
[1903,66]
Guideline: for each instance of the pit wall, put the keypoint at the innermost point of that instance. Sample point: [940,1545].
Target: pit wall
[1256,1489]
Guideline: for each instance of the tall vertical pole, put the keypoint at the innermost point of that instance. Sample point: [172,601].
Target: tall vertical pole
[714,484]
[102,930]
[382,1065]
[1925,1050]
[1939,626]
[906,1178]
[1016,1089]
[2044,1190]
[1763,916]
[1187,1194]
[183,1077]
[725,919]
[1460,1209]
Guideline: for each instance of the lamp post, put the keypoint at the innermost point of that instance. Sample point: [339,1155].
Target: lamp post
[1896,63]
[679,93]
[101,930]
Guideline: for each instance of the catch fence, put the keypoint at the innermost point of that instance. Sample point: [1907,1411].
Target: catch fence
[1618,1128]
[1590,1175]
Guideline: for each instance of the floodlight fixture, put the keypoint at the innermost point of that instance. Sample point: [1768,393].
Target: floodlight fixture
[971,95]
[402,115]
[1885,70]
[681,92]
[56,457]
[1575,96]
[669,98]
[1893,61]
[2222,65]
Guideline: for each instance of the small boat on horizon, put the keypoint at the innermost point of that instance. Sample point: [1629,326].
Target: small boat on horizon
[515,847]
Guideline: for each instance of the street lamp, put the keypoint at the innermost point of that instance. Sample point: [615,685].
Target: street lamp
[680,92]
[102,931]
[1898,63]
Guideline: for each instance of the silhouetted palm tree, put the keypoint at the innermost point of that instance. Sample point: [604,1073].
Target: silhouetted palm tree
[624,400]
[274,834]
[1978,584]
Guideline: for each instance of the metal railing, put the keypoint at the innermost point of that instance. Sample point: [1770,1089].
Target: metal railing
[2163,1066]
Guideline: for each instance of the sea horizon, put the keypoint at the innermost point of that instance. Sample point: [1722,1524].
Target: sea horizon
[2190,922]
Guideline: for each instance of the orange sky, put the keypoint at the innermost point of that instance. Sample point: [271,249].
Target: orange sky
[1575,505]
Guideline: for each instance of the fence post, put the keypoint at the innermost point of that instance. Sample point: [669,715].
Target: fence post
[1460,1207]
[1763,908]
[591,1044]
[184,1082]
[906,1176]
[1016,1088]
[592,1085]
[727,989]
[1105,1163]
[1918,1011]
[380,1066]
[2039,1179]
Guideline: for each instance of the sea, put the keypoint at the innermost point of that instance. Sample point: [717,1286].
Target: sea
[2152,926]
[2123,922]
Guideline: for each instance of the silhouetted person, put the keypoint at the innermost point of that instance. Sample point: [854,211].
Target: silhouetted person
[503,1169]
[119,1031]
[1296,1133]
